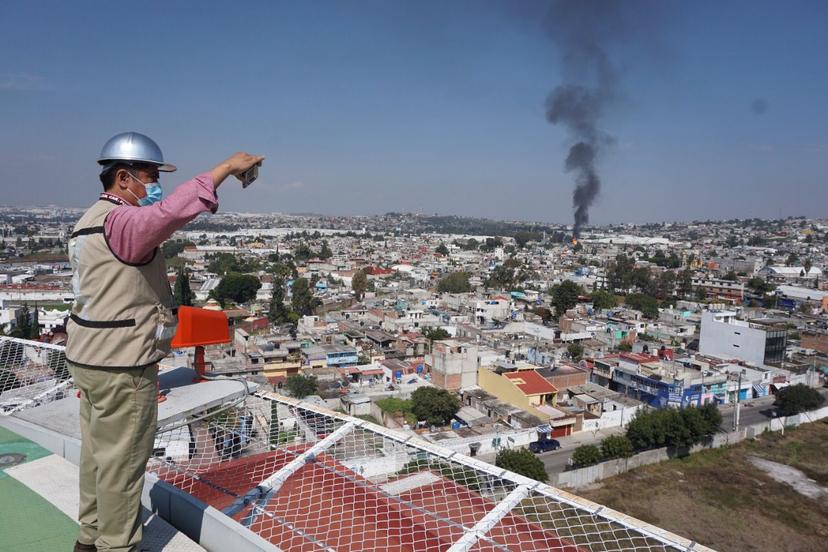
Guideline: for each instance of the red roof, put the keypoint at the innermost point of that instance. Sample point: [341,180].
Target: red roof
[326,502]
[530,382]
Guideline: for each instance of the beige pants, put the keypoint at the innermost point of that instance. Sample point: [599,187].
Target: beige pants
[118,415]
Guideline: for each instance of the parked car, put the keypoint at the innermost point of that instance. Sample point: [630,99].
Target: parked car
[544,445]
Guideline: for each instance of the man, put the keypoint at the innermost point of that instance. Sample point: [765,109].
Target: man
[121,325]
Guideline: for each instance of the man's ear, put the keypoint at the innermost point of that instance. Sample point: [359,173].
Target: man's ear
[122,178]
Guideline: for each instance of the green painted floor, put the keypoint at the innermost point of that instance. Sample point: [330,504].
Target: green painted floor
[28,522]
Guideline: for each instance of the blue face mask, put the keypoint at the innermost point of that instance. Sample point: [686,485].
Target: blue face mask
[154,193]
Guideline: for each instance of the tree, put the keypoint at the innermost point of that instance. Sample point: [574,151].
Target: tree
[646,304]
[442,250]
[807,265]
[435,334]
[359,283]
[436,406]
[586,455]
[797,398]
[616,446]
[325,252]
[502,277]
[183,294]
[172,248]
[565,296]
[300,386]
[603,300]
[523,462]
[625,347]
[240,288]
[302,252]
[575,350]
[685,282]
[278,311]
[456,282]
[730,276]
[793,259]
[302,299]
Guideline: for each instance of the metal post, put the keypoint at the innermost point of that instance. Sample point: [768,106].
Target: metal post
[738,394]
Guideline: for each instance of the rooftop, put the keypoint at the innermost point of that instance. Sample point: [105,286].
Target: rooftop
[282,474]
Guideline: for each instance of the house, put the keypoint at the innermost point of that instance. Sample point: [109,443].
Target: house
[454,364]
[522,387]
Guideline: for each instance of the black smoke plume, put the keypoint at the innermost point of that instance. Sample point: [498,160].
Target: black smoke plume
[585,31]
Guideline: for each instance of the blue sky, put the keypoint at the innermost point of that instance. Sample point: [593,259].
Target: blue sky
[373,106]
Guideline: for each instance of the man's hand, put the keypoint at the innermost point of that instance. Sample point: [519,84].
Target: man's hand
[234,165]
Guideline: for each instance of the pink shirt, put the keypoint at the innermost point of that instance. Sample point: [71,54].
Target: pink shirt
[133,232]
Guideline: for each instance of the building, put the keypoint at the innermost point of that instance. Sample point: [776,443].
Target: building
[726,291]
[454,364]
[759,341]
[522,387]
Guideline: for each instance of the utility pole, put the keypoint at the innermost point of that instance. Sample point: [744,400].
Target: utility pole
[738,393]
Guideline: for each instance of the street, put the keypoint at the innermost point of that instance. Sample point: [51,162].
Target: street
[751,412]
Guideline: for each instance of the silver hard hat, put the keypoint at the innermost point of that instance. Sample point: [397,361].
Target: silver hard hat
[133,147]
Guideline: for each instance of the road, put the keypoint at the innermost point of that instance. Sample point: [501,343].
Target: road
[753,411]
[555,461]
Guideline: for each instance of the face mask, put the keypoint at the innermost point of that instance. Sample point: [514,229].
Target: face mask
[154,193]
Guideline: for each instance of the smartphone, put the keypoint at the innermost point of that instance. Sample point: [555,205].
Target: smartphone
[249,176]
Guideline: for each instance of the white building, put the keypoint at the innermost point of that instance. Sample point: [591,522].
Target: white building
[725,336]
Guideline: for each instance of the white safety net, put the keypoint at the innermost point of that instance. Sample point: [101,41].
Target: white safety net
[305,478]
[31,374]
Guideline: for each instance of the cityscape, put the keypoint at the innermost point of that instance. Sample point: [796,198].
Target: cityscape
[540,343]
[480,276]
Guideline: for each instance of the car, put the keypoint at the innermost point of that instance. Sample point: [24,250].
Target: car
[544,445]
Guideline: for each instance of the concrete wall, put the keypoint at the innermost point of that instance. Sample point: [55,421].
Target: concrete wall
[731,340]
[591,474]
[612,418]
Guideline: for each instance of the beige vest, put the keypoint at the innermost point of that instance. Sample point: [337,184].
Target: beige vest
[124,314]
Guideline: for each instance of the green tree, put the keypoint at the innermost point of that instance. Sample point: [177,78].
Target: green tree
[625,347]
[436,406]
[730,276]
[239,288]
[797,398]
[300,386]
[685,282]
[456,282]
[435,334]
[646,304]
[575,350]
[523,462]
[183,294]
[522,238]
[172,248]
[586,455]
[359,283]
[502,277]
[603,300]
[616,446]
[565,296]
[793,259]
[302,299]
[807,265]
[278,311]
[302,252]
[325,253]
[442,250]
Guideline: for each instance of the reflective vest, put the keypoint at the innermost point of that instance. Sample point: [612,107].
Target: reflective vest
[124,314]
